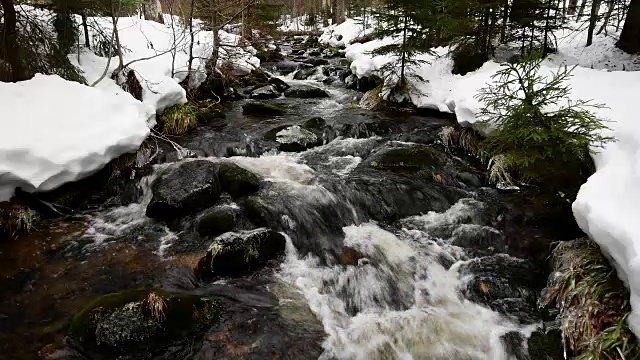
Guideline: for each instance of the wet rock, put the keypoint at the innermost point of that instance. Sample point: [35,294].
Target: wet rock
[546,345]
[349,256]
[233,254]
[278,84]
[316,123]
[513,343]
[236,180]
[210,115]
[471,179]
[269,56]
[351,81]
[217,221]
[312,41]
[304,74]
[295,139]
[184,189]
[271,134]
[260,108]
[317,61]
[141,322]
[264,93]
[305,92]
[407,159]
[505,284]
[367,83]
[314,52]
[481,240]
[255,78]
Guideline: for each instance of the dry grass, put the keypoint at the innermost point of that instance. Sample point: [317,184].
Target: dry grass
[16,219]
[179,119]
[593,303]
[156,305]
[466,139]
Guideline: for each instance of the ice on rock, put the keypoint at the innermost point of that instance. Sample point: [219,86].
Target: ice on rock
[55,131]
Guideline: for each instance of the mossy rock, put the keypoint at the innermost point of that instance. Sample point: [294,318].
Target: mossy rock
[546,346]
[305,92]
[261,108]
[279,85]
[410,159]
[271,134]
[237,181]
[256,77]
[234,254]
[208,115]
[217,221]
[316,123]
[312,41]
[142,322]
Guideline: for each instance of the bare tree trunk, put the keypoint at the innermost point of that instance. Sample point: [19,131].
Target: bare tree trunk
[192,40]
[85,28]
[611,4]
[10,41]
[505,19]
[630,37]
[583,5]
[118,45]
[593,19]
[404,53]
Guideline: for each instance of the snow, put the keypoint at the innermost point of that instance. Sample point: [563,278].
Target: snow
[56,131]
[149,49]
[298,24]
[607,207]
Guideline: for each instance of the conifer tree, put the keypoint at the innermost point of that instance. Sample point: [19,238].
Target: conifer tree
[403,20]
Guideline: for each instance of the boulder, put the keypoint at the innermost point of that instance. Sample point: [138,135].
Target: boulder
[405,159]
[316,123]
[209,115]
[304,74]
[141,322]
[232,253]
[305,92]
[236,180]
[264,93]
[271,134]
[217,221]
[317,61]
[182,189]
[295,139]
[351,82]
[279,85]
[260,108]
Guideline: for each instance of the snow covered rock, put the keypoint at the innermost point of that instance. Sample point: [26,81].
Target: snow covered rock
[56,131]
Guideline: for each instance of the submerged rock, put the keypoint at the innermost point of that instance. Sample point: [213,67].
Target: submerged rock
[233,253]
[236,180]
[183,189]
[260,108]
[305,92]
[141,322]
[217,221]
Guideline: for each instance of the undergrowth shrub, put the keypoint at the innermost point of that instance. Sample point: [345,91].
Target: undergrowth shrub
[16,219]
[540,135]
[593,303]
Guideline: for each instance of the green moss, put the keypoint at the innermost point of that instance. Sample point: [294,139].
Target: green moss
[142,321]
[261,108]
[179,119]
[546,346]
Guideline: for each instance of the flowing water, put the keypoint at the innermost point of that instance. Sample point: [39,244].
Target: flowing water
[404,296]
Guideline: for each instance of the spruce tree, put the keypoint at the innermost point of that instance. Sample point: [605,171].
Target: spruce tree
[403,20]
[538,133]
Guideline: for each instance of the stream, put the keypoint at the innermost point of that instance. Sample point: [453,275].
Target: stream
[388,255]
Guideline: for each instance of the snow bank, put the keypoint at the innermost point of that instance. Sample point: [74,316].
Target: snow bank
[55,131]
[159,54]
